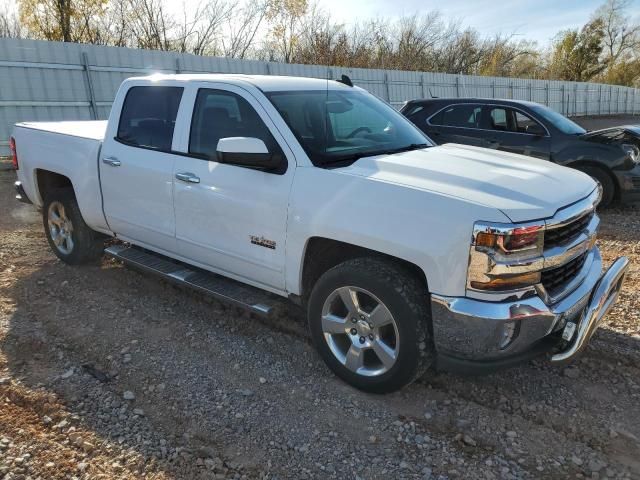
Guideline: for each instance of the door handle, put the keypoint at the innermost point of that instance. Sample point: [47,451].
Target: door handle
[112,161]
[187,177]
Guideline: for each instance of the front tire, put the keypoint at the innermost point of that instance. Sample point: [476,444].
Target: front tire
[605,180]
[68,235]
[369,320]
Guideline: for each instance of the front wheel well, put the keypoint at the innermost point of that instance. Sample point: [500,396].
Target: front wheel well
[48,181]
[323,254]
[600,167]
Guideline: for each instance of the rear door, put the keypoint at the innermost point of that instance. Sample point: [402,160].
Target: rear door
[231,219]
[515,131]
[136,166]
[457,123]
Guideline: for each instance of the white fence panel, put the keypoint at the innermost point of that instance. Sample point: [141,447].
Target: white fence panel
[42,81]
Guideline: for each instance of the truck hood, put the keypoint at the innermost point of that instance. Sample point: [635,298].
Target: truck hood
[523,188]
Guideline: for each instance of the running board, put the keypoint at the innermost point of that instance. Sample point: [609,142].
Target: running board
[222,288]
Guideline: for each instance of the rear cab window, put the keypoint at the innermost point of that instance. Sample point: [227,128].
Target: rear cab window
[148,117]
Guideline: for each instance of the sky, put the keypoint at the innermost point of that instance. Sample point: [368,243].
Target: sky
[537,20]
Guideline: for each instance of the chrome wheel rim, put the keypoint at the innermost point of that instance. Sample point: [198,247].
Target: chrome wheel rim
[60,228]
[360,331]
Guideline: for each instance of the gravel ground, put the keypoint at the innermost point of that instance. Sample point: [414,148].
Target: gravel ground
[109,373]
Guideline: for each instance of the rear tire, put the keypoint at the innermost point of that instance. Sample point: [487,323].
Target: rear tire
[604,179]
[68,235]
[369,320]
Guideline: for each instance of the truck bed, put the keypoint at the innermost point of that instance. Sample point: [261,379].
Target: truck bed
[93,130]
[69,149]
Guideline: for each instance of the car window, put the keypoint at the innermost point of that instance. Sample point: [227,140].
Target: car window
[499,119]
[467,116]
[525,123]
[219,114]
[149,116]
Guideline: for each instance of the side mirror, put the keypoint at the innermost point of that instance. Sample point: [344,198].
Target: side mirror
[247,152]
[535,129]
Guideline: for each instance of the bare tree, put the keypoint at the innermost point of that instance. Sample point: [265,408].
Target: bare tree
[199,31]
[150,25]
[10,26]
[242,29]
[620,34]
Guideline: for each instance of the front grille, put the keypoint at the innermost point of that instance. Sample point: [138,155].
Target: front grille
[636,182]
[562,235]
[557,277]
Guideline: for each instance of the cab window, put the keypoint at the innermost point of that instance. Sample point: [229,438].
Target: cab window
[220,114]
[148,117]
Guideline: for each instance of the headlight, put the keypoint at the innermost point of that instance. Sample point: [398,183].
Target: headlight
[632,152]
[503,259]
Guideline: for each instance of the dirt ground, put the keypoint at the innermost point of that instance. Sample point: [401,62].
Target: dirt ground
[109,373]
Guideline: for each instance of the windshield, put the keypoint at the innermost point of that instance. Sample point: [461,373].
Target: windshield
[342,126]
[558,120]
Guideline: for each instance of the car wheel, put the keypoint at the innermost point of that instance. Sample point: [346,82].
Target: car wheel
[69,237]
[605,180]
[369,320]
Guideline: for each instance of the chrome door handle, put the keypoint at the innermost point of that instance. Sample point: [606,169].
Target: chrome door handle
[187,177]
[113,161]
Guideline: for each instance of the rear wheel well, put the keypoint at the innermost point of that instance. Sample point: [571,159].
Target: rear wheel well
[323,254]
[48,181]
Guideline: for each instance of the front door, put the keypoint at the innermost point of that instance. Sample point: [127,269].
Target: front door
[136,168]
[232,219]
[516,132]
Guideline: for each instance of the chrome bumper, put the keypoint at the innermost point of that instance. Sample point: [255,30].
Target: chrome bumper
[482,331]
[604,296]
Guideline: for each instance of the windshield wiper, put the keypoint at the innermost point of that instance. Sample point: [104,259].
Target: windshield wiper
[357,156]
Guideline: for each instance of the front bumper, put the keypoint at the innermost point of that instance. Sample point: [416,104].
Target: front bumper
[629,182]
[474,332]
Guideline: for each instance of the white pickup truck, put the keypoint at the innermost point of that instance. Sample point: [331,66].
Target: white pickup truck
[404,254]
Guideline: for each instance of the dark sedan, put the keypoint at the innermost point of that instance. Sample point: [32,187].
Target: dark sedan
[611,156]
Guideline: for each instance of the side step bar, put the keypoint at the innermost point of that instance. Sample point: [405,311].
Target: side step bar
[217,286]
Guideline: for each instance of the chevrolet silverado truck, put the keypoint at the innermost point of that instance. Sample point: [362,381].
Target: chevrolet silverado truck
[405,255]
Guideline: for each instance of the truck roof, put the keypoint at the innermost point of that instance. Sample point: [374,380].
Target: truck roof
[267,83]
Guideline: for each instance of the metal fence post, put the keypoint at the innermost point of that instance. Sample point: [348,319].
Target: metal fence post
[493,89]
[610,98]
[458,86]
[267,68]
[530,91]
[562,91]
[586,99]
[600,99]
[92,97]
[626,100]
[511,89]
[422,87]
[547,87]
[386,83]
[178,68]
[575,99]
